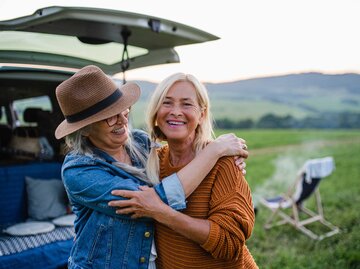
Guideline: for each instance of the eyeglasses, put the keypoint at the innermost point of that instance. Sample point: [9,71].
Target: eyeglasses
[114,119]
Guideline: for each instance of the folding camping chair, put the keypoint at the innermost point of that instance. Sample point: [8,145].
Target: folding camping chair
[306,185]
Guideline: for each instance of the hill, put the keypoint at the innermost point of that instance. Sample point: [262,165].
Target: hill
[298,95]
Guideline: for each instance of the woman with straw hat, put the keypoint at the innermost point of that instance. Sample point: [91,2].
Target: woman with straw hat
[105,154]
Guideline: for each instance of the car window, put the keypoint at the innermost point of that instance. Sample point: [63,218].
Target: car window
[20,106]
[108,53]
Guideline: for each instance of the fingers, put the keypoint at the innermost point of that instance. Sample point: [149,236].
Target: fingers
[126,207]
[124,211]
[131,198]
[244,147]
[123,193]
[244,153]
[121,203]
[241,164]
[232,145]
[238,160]
[144,188]
[128,211]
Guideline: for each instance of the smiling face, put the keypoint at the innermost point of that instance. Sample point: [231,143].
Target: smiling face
[180,113]
[110,138]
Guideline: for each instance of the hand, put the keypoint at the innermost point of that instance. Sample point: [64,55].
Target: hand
[143,203]
[240,163]
[231,145]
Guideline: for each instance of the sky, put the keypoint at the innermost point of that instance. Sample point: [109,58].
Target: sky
[257,37]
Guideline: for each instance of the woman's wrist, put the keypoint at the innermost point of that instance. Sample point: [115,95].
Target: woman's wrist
[164,215]
[216,149]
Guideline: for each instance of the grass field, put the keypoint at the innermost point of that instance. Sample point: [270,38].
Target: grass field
[275,157]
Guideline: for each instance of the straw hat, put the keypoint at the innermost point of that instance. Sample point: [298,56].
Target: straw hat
[90,96]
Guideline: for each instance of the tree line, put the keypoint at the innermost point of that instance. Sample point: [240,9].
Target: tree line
[330,120]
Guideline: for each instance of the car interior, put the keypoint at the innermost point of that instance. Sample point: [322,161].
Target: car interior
[29,110]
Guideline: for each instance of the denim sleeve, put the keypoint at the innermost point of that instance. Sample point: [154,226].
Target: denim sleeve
[91,187]
[171,192]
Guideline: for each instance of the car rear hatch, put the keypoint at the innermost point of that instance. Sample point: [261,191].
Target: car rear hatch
[74,37]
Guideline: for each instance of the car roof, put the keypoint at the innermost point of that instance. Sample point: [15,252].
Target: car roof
[74,37]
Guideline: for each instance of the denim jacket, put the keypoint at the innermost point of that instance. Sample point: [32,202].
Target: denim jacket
[103,238]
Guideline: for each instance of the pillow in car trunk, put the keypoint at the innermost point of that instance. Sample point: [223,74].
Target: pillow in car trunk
[13,196]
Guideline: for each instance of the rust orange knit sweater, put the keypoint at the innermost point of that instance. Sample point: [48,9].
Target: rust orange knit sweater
[224,198]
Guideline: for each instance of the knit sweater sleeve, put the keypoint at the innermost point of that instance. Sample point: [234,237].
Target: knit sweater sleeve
[231,214]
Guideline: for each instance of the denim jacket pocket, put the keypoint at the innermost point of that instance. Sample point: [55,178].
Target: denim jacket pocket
[96,242]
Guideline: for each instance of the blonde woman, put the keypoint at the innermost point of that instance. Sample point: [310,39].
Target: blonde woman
[212,231]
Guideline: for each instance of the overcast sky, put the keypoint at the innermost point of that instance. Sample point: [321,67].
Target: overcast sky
[258,38]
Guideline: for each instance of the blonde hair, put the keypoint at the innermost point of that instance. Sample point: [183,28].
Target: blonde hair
[77,144]
[204,131]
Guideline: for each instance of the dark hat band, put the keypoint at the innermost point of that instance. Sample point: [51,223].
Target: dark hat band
[111,99]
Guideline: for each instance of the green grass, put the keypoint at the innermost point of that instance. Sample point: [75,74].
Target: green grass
[270,171]
[266,138]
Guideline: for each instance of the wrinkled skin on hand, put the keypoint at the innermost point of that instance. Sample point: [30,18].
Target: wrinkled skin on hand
[234,146]
[143,203]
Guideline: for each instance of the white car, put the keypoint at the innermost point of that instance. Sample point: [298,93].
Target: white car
[39,51]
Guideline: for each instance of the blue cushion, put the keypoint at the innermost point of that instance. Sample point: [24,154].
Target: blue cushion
[13,198]
[46,198]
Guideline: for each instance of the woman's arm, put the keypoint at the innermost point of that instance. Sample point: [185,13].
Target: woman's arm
[194,172]
[146,203]
[173,189]
[89,182]
[90,185]
[229,223]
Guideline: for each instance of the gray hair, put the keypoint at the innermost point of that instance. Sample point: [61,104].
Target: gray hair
[77,144]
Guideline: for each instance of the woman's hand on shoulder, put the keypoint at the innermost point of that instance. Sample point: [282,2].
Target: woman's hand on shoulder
[231,145]
[241,164]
